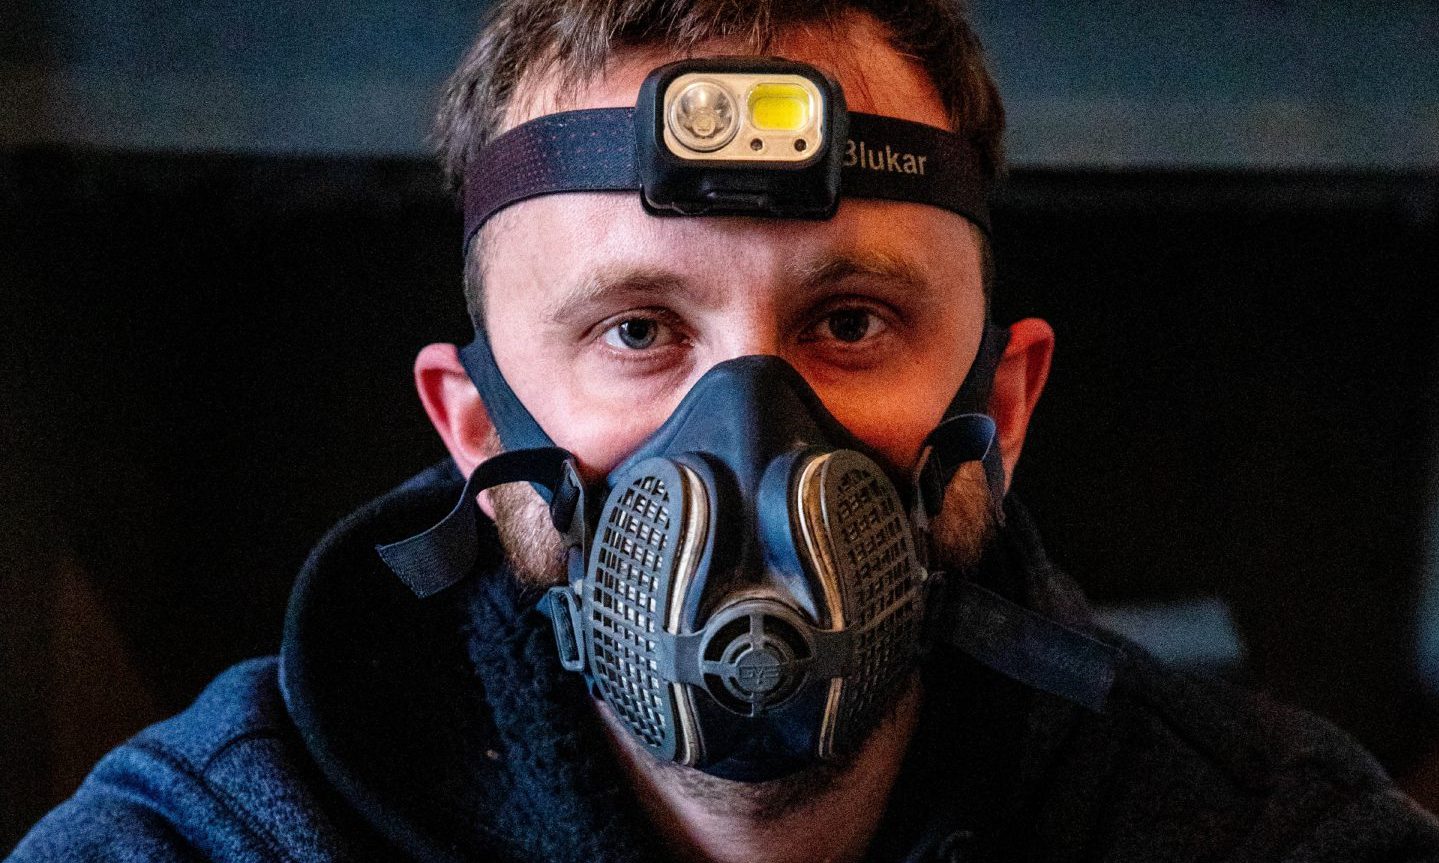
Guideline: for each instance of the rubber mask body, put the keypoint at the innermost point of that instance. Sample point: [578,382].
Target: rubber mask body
[752,599]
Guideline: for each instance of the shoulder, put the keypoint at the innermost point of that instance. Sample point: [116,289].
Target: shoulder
[1201,768]
[227,779]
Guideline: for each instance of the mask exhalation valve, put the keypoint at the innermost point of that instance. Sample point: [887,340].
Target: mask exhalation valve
[754,658]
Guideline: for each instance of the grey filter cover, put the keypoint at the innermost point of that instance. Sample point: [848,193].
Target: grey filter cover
[857,535]
[639,545]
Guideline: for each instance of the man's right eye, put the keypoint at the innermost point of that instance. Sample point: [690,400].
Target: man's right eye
[638,334]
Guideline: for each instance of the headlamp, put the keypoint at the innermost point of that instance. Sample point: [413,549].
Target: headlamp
[740,136]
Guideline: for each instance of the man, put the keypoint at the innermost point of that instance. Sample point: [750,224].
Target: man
[440,722]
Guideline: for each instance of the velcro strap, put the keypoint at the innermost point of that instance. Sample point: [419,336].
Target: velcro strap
[443,555]
[1029,648]
[593,150]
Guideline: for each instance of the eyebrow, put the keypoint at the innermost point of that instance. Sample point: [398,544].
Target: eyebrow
[608,282]
[814,276]
[652,284]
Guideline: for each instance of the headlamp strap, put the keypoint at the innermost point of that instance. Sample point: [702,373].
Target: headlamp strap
[594,150]
[443,555]
[589,150]
[890,159]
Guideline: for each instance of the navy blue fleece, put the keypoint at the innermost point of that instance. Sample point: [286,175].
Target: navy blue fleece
[446,731]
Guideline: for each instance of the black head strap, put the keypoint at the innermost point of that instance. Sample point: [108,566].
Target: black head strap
[967,433]
[591,150]
[973,395]
[897,160]
[517,428]
[594,150]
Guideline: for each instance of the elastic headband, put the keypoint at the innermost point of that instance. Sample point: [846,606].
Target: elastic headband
[594,150]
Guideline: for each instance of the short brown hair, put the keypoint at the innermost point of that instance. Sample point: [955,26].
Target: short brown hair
[575,39]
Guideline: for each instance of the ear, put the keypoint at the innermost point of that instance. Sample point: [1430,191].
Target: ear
[455,409]
[1017,384]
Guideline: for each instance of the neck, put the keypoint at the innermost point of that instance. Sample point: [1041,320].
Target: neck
[826,815]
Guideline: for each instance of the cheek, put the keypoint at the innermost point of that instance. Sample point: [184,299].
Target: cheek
[895,409]
[894,420]
[601,439]
[600,431]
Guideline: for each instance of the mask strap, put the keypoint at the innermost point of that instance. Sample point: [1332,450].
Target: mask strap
[443,555]
[954,443]
[517,428]
[1029,648]
[973,395]
[967,433]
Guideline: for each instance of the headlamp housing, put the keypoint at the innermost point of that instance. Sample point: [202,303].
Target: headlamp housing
[740,136]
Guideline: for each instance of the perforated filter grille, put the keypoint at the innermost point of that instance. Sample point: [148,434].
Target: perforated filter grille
[872,541]
[633,555]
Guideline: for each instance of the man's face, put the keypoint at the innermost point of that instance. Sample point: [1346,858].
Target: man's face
[602,317]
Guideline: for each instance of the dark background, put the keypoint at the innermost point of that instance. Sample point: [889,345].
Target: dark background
[221,246]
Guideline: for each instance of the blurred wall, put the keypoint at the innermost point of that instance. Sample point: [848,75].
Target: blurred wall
[1120,83]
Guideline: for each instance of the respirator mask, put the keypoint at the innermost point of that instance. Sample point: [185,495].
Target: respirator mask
[750,591]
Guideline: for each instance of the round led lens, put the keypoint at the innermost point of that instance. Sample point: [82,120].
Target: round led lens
[703,116]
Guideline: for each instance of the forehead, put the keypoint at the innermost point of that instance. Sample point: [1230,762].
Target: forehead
[854,49]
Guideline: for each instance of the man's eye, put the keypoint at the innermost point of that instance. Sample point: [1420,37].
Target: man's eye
[852,325]
[637,334]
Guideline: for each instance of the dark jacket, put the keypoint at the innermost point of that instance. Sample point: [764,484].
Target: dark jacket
[391,728]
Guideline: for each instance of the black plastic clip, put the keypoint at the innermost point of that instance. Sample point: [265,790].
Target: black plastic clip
[568,507]
[564,613]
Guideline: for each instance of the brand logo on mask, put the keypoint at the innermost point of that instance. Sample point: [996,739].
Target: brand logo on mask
[758,671]
[887,160]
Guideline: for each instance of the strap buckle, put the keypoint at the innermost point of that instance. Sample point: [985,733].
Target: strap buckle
[562,606]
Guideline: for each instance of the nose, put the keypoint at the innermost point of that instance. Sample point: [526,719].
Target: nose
[748,332]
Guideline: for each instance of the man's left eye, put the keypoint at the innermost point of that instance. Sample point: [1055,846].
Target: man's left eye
[850,326]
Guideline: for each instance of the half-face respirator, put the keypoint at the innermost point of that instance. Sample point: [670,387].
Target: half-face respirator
[750,591]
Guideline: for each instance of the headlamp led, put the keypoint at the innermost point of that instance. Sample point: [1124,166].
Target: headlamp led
[701,116]
[780,107]
[780,118]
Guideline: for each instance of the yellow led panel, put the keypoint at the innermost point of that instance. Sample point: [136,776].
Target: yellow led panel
[779,107]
